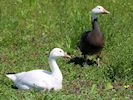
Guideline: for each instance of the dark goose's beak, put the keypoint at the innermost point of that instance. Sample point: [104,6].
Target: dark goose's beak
[105,11]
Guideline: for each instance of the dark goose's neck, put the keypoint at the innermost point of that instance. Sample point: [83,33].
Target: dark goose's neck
[95,23]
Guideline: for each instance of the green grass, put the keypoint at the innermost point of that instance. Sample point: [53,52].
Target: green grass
[29,29]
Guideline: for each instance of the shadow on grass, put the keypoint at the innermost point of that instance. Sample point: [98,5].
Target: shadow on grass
[14,87]
[81,61]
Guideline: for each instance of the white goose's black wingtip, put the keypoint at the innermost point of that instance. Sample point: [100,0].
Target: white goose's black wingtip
[10,73]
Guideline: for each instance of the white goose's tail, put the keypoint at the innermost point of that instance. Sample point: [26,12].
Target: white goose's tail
[12,76]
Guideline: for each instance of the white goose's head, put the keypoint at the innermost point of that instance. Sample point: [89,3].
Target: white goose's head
[57,52]
[99,10]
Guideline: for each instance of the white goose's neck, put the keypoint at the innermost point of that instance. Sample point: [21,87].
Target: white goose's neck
[55,69]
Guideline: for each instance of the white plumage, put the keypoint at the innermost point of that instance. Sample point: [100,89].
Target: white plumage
[41,79]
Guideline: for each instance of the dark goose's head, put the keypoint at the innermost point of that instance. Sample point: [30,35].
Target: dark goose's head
[99,10]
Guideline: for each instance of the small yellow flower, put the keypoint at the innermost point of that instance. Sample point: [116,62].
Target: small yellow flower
[126,86]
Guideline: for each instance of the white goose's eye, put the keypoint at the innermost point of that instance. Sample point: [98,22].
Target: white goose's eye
[60,51]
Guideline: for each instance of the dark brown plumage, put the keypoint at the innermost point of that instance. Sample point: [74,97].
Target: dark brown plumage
[92,42]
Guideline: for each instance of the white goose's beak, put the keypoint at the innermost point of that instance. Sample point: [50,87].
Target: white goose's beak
[66,55]
[105,11]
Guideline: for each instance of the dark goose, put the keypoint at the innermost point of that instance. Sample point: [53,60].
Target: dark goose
[92,42]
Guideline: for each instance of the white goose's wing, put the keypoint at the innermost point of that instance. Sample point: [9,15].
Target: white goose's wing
[40,79]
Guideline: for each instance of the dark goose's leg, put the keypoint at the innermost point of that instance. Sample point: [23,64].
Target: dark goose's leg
[85,58]
[98,59]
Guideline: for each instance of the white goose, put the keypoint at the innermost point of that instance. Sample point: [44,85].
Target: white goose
[41,79]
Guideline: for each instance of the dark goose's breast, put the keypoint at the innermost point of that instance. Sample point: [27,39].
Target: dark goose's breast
[91,42]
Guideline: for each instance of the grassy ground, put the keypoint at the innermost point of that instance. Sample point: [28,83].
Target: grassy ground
[29,29]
